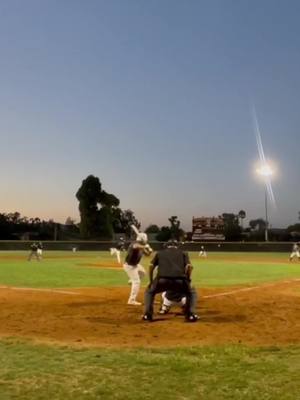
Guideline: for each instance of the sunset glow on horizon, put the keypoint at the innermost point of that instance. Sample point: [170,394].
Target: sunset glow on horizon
[152,98]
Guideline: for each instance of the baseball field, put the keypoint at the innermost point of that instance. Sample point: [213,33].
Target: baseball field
[66,331]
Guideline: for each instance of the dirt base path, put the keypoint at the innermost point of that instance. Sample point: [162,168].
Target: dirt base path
[266,315]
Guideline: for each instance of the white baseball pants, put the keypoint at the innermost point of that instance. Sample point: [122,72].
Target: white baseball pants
[135,274]
[117,252]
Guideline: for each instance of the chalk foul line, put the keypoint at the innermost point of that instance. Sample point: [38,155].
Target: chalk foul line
[248,289]
[210,296]
[39,290]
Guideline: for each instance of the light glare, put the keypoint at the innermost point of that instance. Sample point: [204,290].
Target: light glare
[265,170]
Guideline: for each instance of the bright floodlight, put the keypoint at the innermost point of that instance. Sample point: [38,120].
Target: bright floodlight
[265,170]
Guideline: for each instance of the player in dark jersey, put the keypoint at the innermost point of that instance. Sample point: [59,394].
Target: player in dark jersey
[40,250]
[173,274]
[133,268]
[120,246]
[34,252]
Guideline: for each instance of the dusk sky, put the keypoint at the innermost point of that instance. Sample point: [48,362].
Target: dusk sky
[154,97]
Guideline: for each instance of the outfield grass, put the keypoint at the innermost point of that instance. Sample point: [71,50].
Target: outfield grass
[219,269]
[58,271]
[42,372]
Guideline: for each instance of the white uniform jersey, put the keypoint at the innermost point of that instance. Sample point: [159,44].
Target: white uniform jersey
[295,252]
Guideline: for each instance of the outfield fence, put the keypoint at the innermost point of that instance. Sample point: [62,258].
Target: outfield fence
[13,245]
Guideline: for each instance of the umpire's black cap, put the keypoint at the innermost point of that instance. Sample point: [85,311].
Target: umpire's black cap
[172,243]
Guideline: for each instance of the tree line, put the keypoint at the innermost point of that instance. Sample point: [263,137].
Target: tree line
[13,226]
[101,218]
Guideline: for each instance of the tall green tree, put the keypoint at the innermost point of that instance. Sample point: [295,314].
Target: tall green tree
[152,229]
[89,195]
[109,203]
[232,230]
[122,221]
[5,228]
[96,209]
[294,230]
[170,232]
[164,234]
[130,219]
[176,231]
[259,224]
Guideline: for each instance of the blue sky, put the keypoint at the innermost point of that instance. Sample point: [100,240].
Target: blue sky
[153,97]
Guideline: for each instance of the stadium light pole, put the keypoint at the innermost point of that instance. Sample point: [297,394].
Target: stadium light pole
[266,172]
[267,220]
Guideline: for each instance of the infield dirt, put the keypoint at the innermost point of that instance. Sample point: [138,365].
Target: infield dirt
[268,315]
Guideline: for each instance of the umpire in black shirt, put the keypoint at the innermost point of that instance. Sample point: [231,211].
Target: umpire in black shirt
[173,273]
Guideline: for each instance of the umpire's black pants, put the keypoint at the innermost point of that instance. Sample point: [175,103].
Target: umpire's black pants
[161,284]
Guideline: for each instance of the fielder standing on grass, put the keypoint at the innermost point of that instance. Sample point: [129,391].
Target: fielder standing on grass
[173,273]
[295,252]
[120,246]
[40,250]
[202,252]
[133,268]
[34,252]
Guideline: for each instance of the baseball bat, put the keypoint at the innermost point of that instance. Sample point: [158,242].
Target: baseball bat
[135,229]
